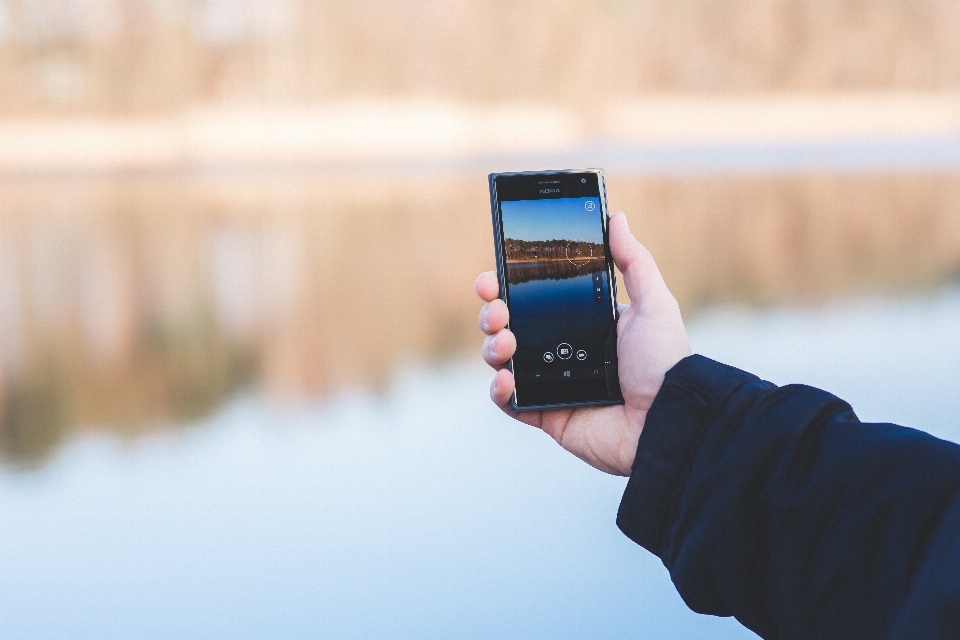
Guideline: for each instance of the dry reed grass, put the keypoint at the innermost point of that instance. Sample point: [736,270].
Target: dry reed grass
[149,56]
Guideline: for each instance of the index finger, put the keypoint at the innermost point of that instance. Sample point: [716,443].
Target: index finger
[487,286]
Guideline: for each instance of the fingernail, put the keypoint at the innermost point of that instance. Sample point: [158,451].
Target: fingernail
[490,346]
[494,383]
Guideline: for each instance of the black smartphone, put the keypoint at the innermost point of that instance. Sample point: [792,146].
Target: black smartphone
[556,276]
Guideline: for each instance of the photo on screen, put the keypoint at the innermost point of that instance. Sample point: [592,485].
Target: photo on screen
[558,287]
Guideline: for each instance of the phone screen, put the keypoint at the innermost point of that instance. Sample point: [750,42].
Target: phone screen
[557,279]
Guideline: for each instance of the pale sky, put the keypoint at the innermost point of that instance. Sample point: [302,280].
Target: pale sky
[559,219]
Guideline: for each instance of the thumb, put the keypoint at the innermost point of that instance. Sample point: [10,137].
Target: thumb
[641,277]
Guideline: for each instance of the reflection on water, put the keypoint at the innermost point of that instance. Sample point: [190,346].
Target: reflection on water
[801,239]
[140,301]
[137,302]
[520,272]
[548,312]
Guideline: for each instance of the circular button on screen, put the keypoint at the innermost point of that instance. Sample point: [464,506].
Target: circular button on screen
[548,357]
[581,355]
[564,351]
[589,205]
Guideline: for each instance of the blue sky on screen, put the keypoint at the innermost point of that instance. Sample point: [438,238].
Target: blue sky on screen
[560,219]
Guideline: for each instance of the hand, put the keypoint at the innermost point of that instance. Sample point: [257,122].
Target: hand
[650,340]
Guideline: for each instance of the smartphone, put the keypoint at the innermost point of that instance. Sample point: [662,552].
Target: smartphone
[556,277]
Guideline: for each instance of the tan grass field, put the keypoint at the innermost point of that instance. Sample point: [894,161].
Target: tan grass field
[136,57]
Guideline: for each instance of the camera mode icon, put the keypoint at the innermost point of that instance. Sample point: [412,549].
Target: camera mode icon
[564,351]
[548,357]
[581,355]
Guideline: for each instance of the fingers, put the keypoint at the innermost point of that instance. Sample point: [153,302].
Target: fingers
[500,344]
[499,348]
[487,286]
[493,317]
[641,277]
[501,389]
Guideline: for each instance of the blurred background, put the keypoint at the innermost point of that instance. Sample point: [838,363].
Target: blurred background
[239,389]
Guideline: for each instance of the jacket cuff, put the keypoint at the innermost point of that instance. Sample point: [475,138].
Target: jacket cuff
[692,395]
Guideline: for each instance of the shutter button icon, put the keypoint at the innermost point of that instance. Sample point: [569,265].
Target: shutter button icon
[564,351]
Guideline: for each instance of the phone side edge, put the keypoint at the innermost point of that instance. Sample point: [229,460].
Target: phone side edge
[501,265]
[611,265]
[611,281]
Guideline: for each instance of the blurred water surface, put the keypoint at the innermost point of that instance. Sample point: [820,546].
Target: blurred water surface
[418,512]
[237,403]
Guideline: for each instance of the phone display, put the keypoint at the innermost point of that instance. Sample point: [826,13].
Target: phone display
[556,277]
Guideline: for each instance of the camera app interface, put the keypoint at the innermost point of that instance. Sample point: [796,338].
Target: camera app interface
[557,283]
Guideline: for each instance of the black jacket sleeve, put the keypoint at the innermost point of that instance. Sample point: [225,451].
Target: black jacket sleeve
[776,505]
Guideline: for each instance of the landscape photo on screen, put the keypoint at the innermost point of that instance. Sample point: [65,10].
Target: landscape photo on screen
[558,288]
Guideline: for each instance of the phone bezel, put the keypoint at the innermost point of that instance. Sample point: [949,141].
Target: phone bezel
[502,272]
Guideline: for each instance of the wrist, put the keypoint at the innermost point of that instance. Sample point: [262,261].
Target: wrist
[630,442]
[691,395]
